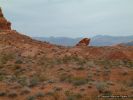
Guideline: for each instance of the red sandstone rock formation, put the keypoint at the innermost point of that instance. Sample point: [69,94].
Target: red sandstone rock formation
[84,42]
[4,24]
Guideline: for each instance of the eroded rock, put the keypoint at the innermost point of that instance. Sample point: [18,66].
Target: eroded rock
[4,24]
[84,42]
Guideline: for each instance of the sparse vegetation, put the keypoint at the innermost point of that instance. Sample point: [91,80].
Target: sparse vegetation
[40,94]
[24,81]
[2,77]
[12,94]
[36,70]
[34,81]
[5,57]
[73,96]
[2,93]
[78,81]
[25,90]
[65,77]
[31,98]
[19,61]
[101,86]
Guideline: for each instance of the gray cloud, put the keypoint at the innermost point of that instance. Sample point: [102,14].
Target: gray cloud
[71,18]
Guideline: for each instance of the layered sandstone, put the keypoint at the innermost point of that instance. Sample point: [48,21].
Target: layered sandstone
[4,24]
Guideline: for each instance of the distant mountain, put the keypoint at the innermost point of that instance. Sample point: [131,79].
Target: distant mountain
[105,40]
[128,43]
[65,41]
[99,40]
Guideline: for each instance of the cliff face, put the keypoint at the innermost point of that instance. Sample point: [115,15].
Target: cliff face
[4,24]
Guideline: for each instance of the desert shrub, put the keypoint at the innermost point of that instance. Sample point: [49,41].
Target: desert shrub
[5,57]
[90,77]
[18,61]
[73,59]
[123,63]
[72,96]
[74,80]
[123,88]
[114,63]
[16,67]
[48,62]
[54,95]
[25,90]
[90,63]
[34,81]
[12,94]
[107,93]
[103,62]
[2,93]
[42,77]
[65,77]
[67,59]
[129,83]
[57,88]
[44,61]
[1,66]
[110,83]
[40,94]
[31,98]
[125,72]
[129,64]
[11,78]
[77,60]
[2,77]
[101,86]
[24,81]
[78,81]
[38,78]
[79,68]
[50,93]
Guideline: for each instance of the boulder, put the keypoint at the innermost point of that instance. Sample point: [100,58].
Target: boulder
[84,42]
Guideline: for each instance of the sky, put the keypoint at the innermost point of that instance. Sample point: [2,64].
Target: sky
[70,18]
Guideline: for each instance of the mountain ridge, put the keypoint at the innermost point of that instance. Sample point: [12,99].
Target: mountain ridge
[99,40]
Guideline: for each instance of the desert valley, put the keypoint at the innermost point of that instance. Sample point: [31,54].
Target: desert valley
[36,70]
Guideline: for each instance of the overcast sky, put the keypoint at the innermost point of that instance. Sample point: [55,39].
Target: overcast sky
[70,18]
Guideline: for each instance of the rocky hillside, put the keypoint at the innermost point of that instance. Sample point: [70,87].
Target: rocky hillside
[35,70]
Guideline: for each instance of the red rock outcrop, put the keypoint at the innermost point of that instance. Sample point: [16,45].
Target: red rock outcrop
[4,24]
[84,42]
